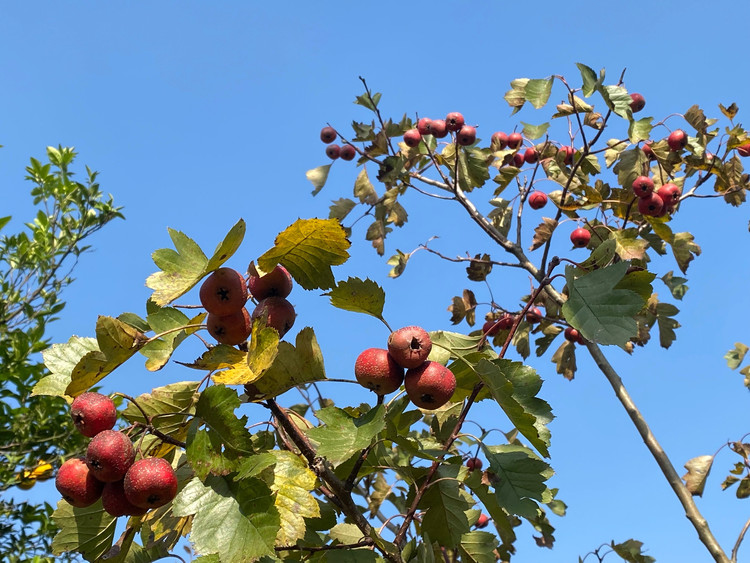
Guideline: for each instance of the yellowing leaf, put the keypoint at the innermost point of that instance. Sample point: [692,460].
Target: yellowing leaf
[318,177]
[292,483]
[61,359]
[308,248]
[698,470]
[117,342]
[183,267]
[543,232]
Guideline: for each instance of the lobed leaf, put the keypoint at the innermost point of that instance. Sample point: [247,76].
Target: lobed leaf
[359,296]
[343,435]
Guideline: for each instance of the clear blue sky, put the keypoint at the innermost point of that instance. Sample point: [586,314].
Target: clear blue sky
[197,114]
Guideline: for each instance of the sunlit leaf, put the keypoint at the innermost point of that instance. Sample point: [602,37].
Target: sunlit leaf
[61,360]
[308,248]
[167,407]
[343,435]
[698,470]
[735,356]
[318,177]
[632,551]
[292,483]
[359,296]
[684,250]
[543,232]
[564,359]
[89,531]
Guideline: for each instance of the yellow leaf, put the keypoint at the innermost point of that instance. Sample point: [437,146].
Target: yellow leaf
[293,481]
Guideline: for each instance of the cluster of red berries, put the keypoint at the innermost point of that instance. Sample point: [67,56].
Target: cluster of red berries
[655,203]
[333,151]
[109,471]
[428,384]
[224,295]
[453,123]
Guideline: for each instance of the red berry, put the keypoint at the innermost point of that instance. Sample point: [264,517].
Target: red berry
[482,521]
[466,135]
[333,151]
[412,138]
[409,346]
[277,312]
[677,140]
[150,482]
[328,134]
[430,385]
[580,237]
[499,140]
[115,502]
[231,329]
[515,140]
[638,102]
[744,150]
[438,128]
[277,282]
[537,200]
[423,126]
[643,186]
[474,463]
[378,371]
[518,159]
[648,151]
[454,121]
[347,152]
[109,455]
[652,205]
[568,152]
[530,155]
[77,484]
[670,194]
[572,335]
[223,292]
[534,315]
[93,413]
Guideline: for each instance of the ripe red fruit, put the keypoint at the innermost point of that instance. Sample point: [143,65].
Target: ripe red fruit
[378,371]
[473,463]
[109,455]
[423,126]
[670,194]
[77,484]
[430,385]
[506,321]
[347,152]
[537,199]
[466,135]
[652,205]
[438,128]
[580,237]
[328,134]
[333,151]
[643,186]
[92,413]
[277,312]
[232,329]
[409,346]
[569,152]
[638,102]
[517,159]
[648,151]
[530,155]
[223,292]
[116,504]
[534,315]
[454,121]
[499,140]
[677,140]
[490,327]
[744,150]
[412,138]
[482,521]
[277,283]
[572,335]
[515,140]
[150,482]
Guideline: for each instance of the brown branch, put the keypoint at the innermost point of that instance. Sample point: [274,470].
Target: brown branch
[364,542]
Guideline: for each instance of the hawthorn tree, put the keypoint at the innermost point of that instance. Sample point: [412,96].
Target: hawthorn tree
[36,265]
[387,480]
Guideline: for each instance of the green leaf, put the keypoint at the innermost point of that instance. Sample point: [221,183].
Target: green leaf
[590,82]
[618,100]
[89,531]
[632,551]
[164,320]
[502,214]
[318,176]
[292,366]
[478,547]
[238,521]
[168,407]
[445,518]
[735,356]
[516,96]
[537,91]
[369,101]
[359,296]
[675,284]
[398,261]
[534,131]
[684,250]
[364,190]
[61,360]
[640,130]
[341,208]
[599,311]
[293,480]
[515,387]
[117,342]
[308,248]
[185,266]
[343,434]
[698,469]
[518,478]
[629,166]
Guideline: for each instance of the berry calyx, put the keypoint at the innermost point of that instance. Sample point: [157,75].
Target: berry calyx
[580,237]
[93,413]
[378,371]
[430,385]
[409,346]
[643,186]
[223,292]
[328,134]
[537,199]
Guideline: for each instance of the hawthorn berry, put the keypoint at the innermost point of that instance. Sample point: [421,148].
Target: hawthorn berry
[580,237]
[328,134]
[537,199]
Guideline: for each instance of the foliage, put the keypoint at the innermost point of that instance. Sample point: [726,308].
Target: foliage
[385,480]
[35,267]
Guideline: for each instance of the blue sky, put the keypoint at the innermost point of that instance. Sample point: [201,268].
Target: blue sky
[197,114]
